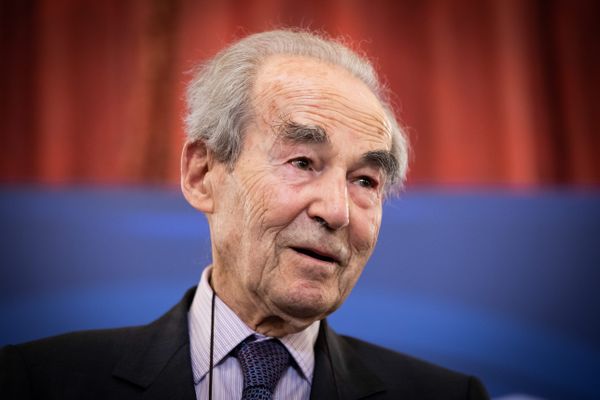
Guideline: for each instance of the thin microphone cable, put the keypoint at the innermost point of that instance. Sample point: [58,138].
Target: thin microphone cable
[212,339]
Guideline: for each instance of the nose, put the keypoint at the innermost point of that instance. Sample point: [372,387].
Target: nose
[330,203]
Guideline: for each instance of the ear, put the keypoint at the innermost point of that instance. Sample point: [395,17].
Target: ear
[196,167]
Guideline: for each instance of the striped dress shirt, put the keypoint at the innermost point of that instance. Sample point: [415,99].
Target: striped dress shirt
[230,330]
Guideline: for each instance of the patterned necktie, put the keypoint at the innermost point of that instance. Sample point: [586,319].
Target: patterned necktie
[262,363]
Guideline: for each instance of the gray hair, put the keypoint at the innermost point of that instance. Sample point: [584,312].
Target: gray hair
[218,97]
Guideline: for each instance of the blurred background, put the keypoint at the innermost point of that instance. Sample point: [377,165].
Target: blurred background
[488,263]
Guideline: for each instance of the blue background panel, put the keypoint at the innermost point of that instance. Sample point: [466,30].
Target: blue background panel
[501,285]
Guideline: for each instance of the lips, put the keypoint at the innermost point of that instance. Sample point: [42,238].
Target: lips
[319,254]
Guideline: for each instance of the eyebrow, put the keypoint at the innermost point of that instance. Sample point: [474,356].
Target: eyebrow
[301,133]
[384,160]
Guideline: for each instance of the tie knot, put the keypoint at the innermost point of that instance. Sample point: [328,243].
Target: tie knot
[263,363]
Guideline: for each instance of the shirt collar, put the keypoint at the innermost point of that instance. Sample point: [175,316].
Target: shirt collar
[230,330]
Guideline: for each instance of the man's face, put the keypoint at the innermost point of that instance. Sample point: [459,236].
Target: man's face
[297,218]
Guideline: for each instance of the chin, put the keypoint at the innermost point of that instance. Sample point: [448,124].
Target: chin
[305,304]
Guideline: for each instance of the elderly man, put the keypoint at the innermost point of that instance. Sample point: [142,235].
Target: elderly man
[292,148]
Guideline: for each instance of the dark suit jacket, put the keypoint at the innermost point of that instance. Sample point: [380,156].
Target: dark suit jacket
[153,362]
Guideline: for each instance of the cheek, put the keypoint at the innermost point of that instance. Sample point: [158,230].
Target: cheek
[253,195]
[267,203]
[363,238]
[368,200]
[365,231]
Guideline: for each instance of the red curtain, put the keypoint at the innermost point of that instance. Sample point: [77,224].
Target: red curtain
[492,92]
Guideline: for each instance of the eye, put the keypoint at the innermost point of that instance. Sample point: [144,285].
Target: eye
[302,163]
[366,182]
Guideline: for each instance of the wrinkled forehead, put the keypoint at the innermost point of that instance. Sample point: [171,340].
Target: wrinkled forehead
[308,91]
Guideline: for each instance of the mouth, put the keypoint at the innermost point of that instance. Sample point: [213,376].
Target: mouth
[319,255]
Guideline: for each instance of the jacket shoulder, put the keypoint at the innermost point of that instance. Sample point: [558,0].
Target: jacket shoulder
[105,363]
[57,364]
[76,350]
[410,377]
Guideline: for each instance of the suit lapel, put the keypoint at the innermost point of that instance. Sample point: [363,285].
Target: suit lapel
[158,358]
[158,361]
[341,374]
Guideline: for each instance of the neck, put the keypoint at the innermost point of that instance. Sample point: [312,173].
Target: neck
[253,312]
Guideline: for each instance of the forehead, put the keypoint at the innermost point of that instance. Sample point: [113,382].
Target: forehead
[308,91]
